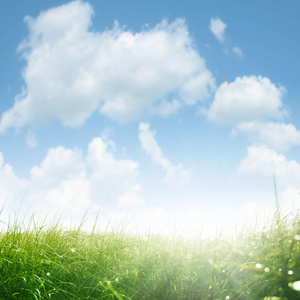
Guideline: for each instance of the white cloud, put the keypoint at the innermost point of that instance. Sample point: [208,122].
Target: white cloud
[31,140]
[217,27]
[110,178]
[60,164]
[166,108]
[238,51]
[197,88]
[12,188]
[71,196]
[66,182]
[290,200]
[264,162]
[72,71]
[176,176]
[132,198]
[247,99]
[278,136]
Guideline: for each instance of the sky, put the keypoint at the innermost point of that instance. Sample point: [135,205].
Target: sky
[166,116]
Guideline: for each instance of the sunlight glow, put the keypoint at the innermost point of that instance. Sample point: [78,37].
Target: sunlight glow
[296,285]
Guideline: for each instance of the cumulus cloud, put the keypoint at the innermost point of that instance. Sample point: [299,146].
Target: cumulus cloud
[247,99]
[264,162]
[66,181]
[251,104]
[11,187]
[166,108]
[73,71]
[133,197]
[59,165]
[176,176]
[110,177]
[277,136]
[217,27]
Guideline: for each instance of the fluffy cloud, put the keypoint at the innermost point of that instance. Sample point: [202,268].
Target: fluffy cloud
[166,108]
[133,197]
[277,136]
[217,27]
[72,71]
[59,183]
[176,176]
[264,162]
[247,99]
[110,178]
[60,164]
[67,182]
[12,188]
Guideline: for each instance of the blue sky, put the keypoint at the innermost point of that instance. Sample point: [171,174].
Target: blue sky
[157,111]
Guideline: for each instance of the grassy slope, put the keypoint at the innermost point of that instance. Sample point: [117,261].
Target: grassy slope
[57,264]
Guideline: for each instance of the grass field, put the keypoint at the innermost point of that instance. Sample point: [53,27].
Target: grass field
[55,263]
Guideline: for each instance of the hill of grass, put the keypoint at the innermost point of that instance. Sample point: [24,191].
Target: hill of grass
[53,263]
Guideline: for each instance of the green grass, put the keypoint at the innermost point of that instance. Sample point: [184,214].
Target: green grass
[55,263]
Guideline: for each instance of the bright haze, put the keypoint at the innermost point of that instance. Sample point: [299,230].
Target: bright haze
[173,116]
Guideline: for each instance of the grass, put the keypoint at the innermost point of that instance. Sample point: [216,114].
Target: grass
[54,263]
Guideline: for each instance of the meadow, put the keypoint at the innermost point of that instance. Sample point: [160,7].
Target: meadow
[56,263]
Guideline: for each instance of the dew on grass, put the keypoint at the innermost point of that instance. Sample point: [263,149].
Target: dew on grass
[290,272]
[295,285]
[258,266]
